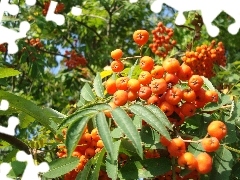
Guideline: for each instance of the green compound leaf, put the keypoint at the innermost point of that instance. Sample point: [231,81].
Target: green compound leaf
[145,168]
[98,87]
[104,132]
[74,133]
[125,123]
[112,166]
[222,164]
[98,159]
[77,115]
[160,115]
[150,117]
[61,166]
[7,72]
[208,83]
[87,93]
[29,108]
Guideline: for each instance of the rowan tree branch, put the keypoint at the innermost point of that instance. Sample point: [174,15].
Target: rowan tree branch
[15,142]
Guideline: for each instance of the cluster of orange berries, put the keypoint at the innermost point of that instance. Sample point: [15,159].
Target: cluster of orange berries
[35,42]
[59,8]
[159,85]
[74,59]
[162,40]
[205,57]
[202,163]
[89,144]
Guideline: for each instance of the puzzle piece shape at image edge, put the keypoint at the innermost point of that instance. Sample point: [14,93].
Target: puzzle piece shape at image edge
[59,19]
[209,14]
[4,170]
[8,35]
[12,124]
[31,171]
[12,121]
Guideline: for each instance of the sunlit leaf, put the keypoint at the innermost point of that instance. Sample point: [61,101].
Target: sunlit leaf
[61,166]
[126,124]
[74,133]
[98,86]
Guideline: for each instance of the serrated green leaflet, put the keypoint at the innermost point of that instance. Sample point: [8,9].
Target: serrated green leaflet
[104,132]
[7,72]
[98,87]
[87,93]
[73,117]
[150,118]
[112,167]
[160,115]
[61,166]
[130,73]
[84,174]
[222,164]
[98,158]
[74,133]
[208,83]
[29,108]
[126,124]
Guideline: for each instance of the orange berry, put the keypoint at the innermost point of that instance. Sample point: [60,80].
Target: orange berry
[100,144]
[145,92]
[146,63]
[158,86]
[122,83]
[110,86]
[210,144]
[173,95]
[167,108]
[217,129]
[211,96]
[117,54]
[187,160]
[95,135]
[133,85]
[120,97]
[145,78]
[204,163]
[117,66]
[164,141]
[171,65]
[195,82]
[188,109]
[140,37]
[189,95]
[176,147]
[89,152]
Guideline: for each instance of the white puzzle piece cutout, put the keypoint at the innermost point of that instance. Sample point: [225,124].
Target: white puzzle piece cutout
[210,9]
[10,129]
[31,171]
[4,170]
[76,11]
[59,19]
[30,2]
[12,121]
[8,35]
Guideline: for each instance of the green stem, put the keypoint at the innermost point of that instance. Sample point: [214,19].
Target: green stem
[232,149]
